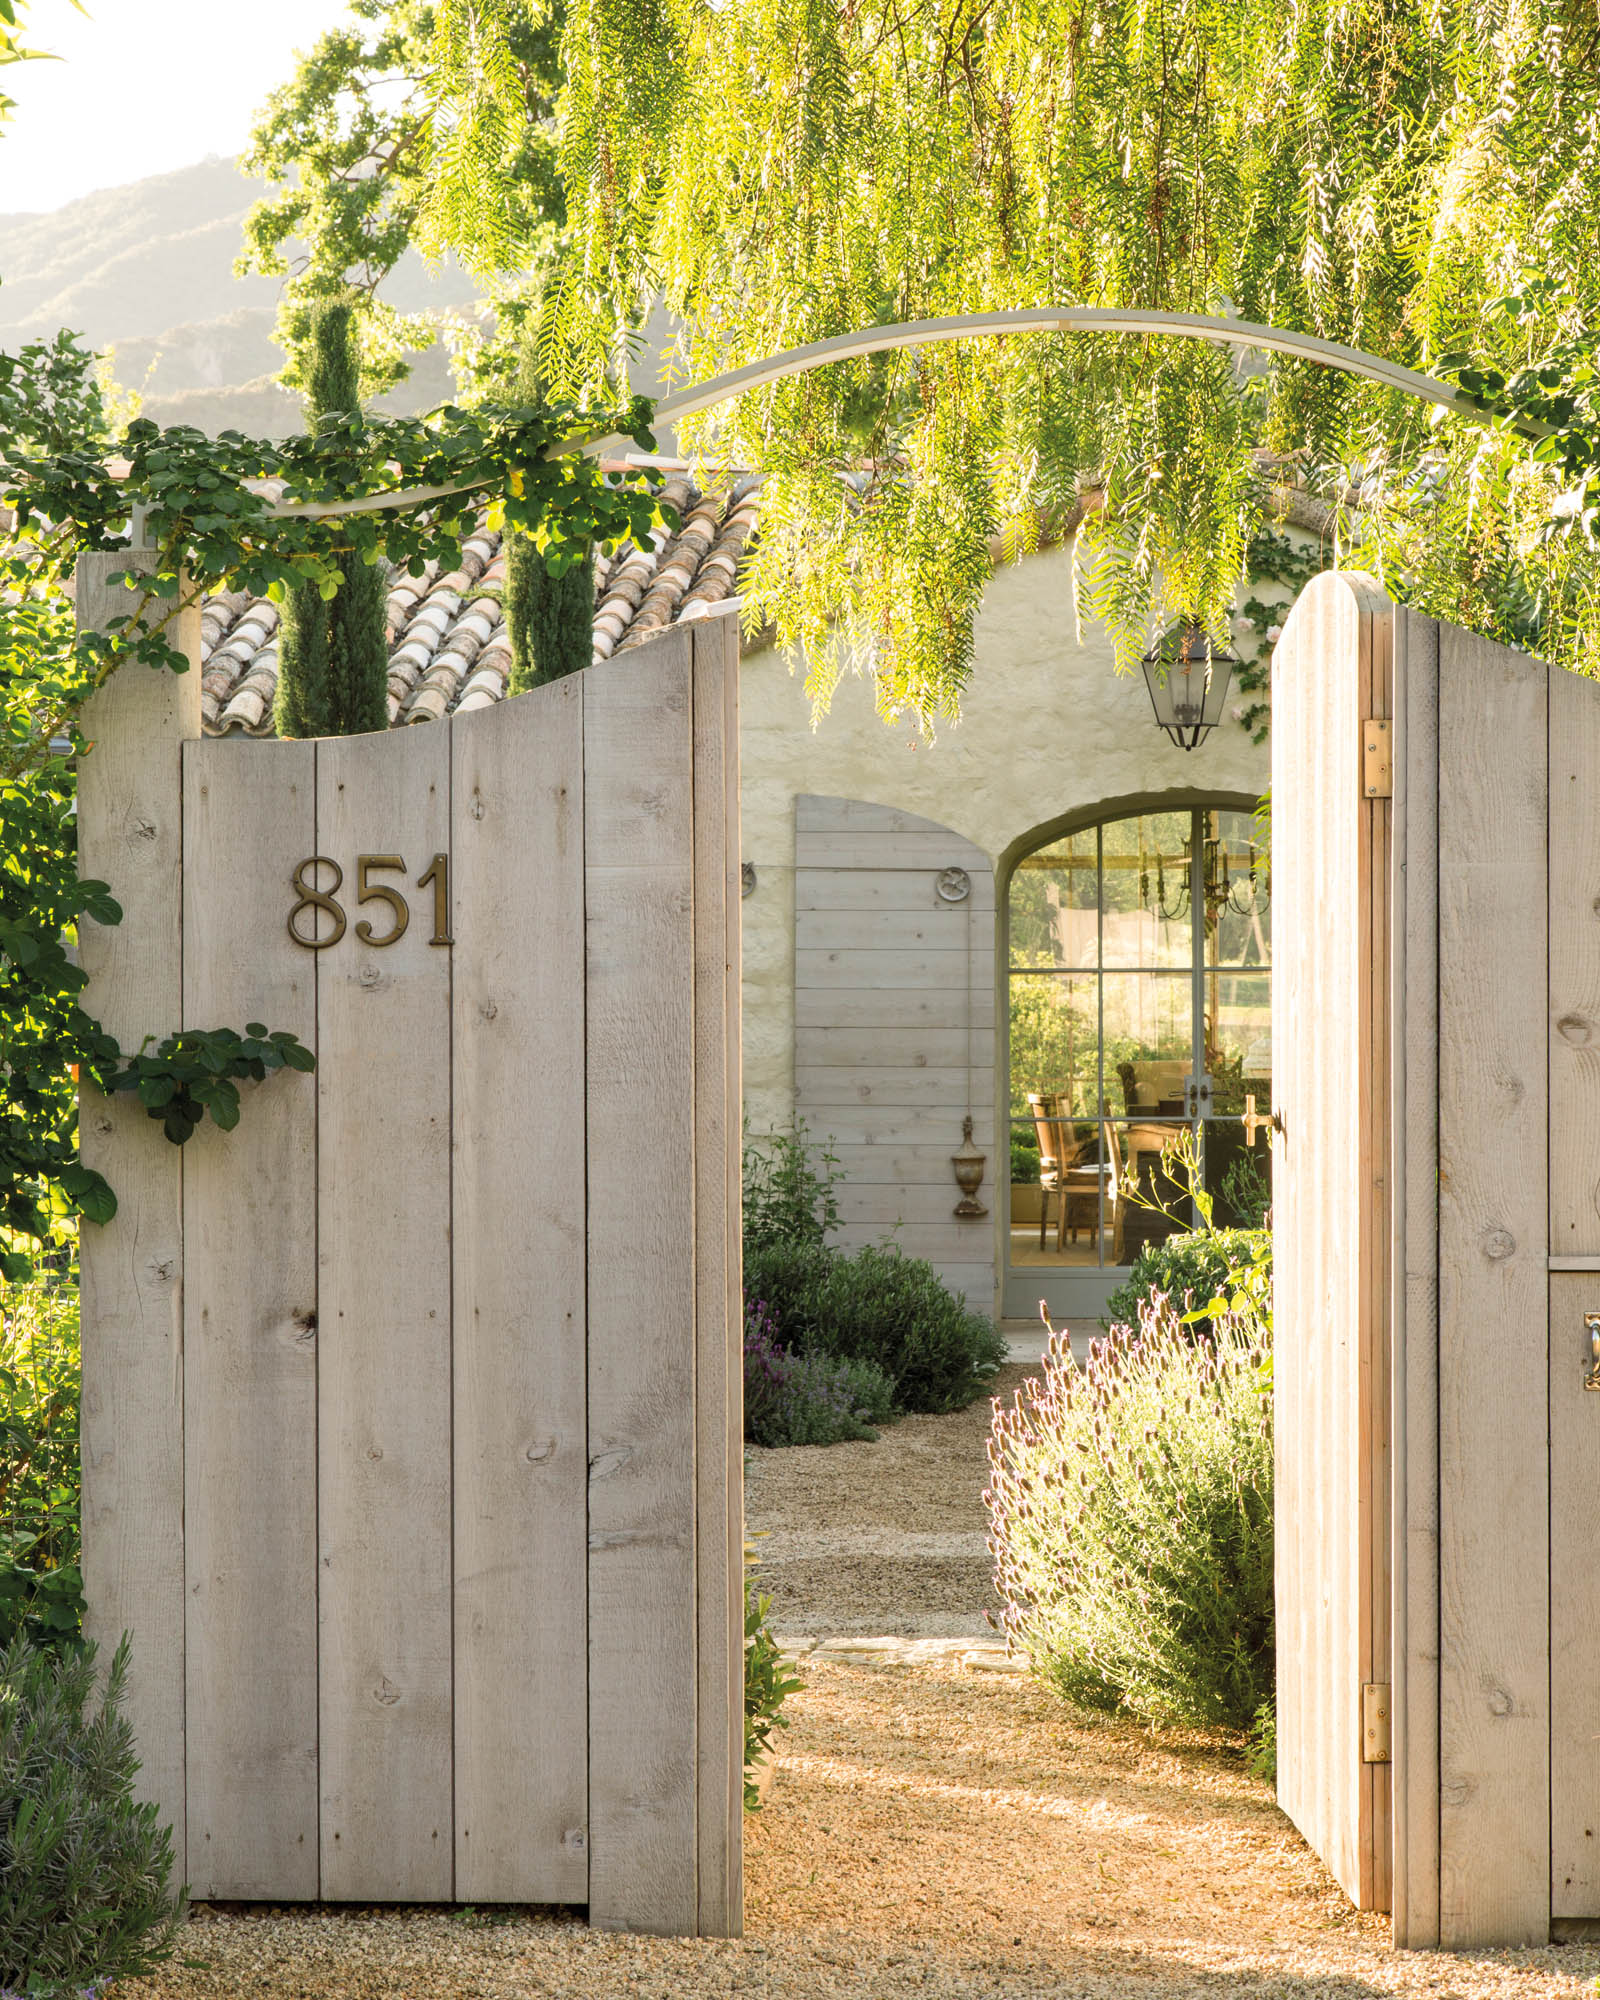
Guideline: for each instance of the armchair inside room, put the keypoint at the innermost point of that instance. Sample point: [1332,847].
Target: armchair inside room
[1153,1087]
[1071,1184]
[1059,1147]
[1091,1190]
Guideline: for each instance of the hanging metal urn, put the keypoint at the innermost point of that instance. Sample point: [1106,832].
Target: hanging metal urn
[969,1166]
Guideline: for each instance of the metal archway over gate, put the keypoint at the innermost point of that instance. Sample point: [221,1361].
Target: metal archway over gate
[411,1408]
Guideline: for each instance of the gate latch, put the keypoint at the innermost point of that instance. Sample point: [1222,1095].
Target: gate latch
[1591,1374]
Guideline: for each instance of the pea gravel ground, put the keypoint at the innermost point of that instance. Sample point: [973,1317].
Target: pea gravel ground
[932,1832]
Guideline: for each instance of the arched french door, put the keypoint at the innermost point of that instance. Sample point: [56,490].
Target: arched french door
[1138,1004]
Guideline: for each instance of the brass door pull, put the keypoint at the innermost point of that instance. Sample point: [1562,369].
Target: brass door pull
[1591,1374]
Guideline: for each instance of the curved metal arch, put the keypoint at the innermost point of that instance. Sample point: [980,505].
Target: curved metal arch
[975,326]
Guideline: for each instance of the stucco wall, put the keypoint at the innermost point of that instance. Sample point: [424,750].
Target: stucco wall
[1047,729]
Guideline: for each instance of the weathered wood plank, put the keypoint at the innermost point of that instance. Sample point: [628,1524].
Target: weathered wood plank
[1377,1235]
[520,1392]
[384,1335]
[939,1242]
[250,1340]
[719,1320]
[938,969]
[130,835]
[1493,1309]
[638,817]
[1415,965]
[1574,1232]
[816,813]
[895,1048]
[1574,1527]
[1321,678]
[887,1165]
[897,1126]
[913,852]
[938,927]
[892,1007]
[879,888]
[857,1084]
[884,1203]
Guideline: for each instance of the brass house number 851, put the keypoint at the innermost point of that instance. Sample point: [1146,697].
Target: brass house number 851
[322,902]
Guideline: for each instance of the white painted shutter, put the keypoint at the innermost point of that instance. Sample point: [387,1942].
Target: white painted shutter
[894,1026]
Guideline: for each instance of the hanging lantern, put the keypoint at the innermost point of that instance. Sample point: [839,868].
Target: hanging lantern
[1188,681]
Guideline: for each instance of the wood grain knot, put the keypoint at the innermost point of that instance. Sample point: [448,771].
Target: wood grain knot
[1500,1702]
[1575,1029]
[386,1692]
[540,1451]
[1498,1244]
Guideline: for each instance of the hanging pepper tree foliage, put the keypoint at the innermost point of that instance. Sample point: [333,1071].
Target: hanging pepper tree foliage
[1376,172]
[67,488]
[353,142]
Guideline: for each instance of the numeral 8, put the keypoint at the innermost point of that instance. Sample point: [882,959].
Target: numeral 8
[313,898]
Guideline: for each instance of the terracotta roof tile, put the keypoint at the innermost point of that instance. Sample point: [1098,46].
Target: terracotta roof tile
[448,649]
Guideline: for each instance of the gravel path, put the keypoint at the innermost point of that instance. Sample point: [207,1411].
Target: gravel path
[936,1829]
[885,1537]
[938,1834]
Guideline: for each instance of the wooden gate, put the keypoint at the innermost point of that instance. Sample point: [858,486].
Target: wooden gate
[412,1406]
[1437,1230]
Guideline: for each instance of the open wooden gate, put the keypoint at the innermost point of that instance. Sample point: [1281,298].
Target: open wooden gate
[1436,837]
[412,1407]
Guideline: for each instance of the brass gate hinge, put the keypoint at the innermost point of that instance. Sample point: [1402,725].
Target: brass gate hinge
[1374,1722]
[1377,760]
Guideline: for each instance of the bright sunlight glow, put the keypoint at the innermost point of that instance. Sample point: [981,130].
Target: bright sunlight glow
[144,87]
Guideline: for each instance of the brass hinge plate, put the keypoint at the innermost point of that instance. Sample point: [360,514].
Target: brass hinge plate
[1377,760]
[1375,1722]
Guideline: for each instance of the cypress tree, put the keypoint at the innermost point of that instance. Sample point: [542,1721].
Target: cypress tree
[549,619]
[333,653]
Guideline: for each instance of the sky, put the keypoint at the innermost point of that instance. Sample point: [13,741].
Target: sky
[144,86]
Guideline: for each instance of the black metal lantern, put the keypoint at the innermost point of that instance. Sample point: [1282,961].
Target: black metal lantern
[1188,681]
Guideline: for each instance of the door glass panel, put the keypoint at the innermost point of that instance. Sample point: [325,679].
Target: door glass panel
[1055,904]
[1238,887]
[1146,891]
[1140,954]
[1055,1040]
[1149,1041]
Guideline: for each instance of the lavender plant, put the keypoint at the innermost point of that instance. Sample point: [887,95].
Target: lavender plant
[1130,1515]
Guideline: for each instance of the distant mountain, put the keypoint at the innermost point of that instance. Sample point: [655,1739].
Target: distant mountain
[145,271]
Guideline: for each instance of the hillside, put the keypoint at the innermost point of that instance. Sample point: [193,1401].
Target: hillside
[145,271]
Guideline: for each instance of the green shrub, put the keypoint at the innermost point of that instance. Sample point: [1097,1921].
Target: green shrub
[85,1873]
[807,1398]
[788,1189]
[41,1587]
[1130,1510]
[1198,1265]
[1024,1155]
[1262,1755]
[880,1307]
[767,1683]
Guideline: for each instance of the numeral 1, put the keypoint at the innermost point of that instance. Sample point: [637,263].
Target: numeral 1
[439,875]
